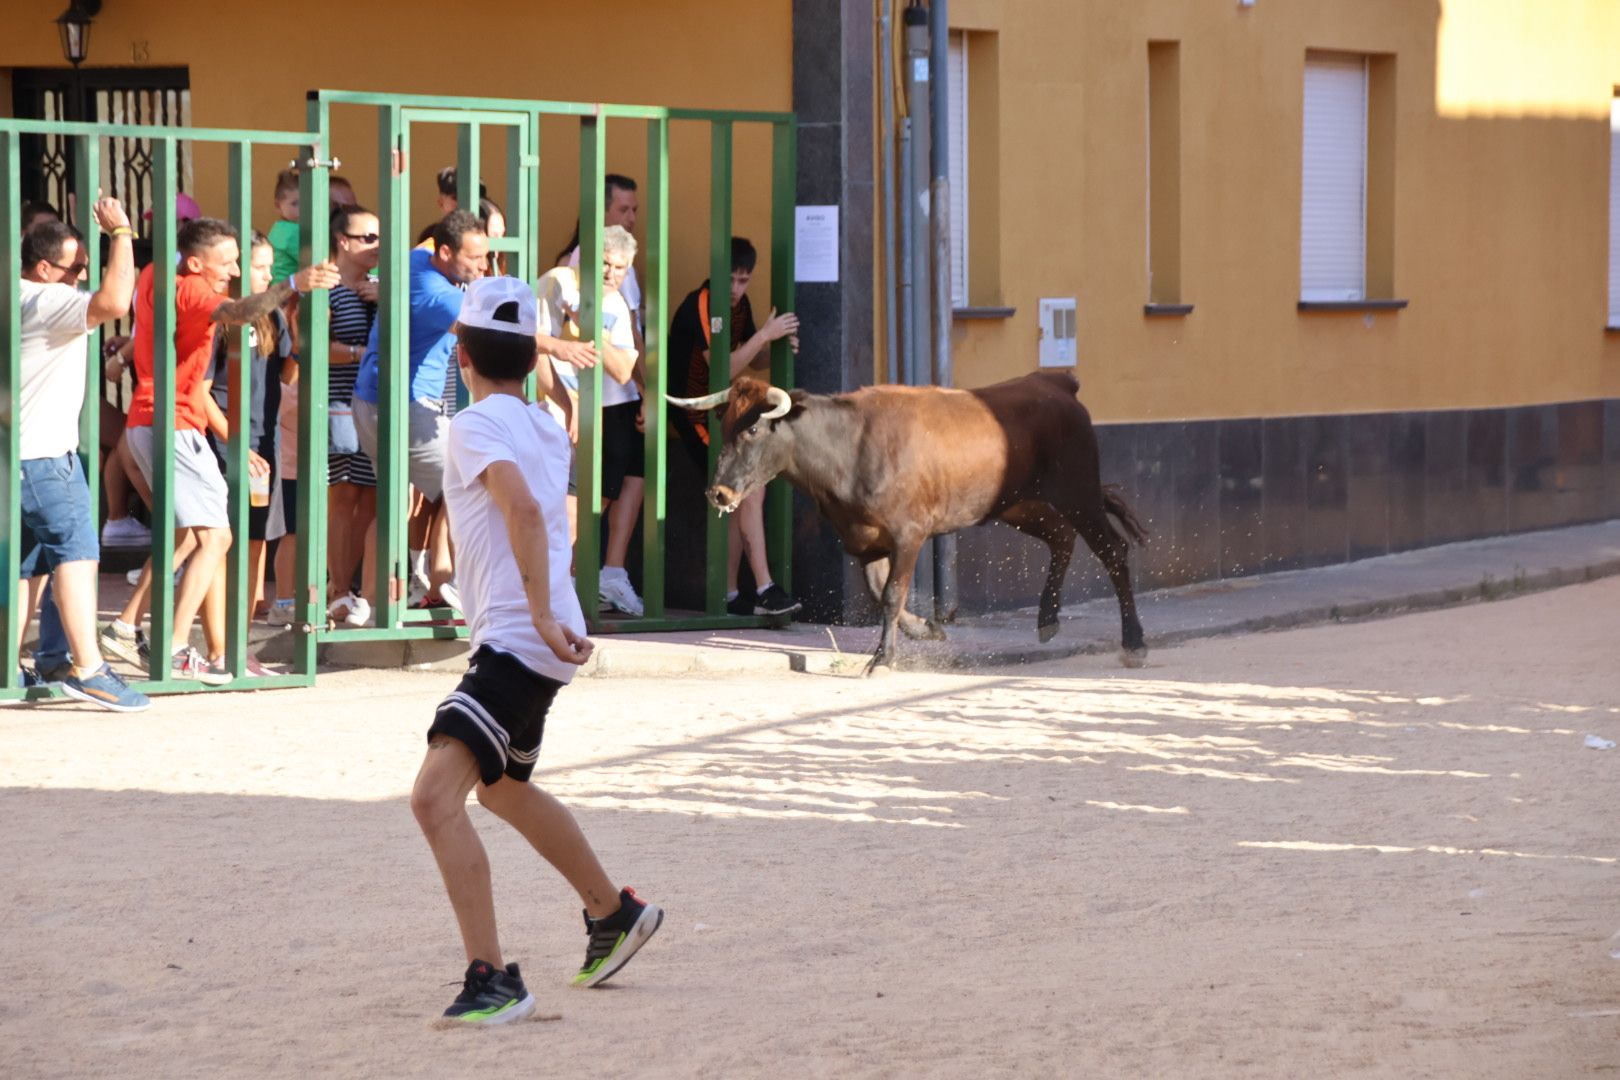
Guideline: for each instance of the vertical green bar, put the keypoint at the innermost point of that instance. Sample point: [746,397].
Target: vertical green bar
[10,400]
[86,187]
[315,339]
[523,178]
[238,598]
[469,165]
[588,454]
[719,344]
[469,177]
[164,182]
[654,296]
[519,219]
[393,373]
[784,179]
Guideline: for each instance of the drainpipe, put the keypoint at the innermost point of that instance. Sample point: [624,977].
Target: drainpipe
[886,135]
[918,326]
[945,592]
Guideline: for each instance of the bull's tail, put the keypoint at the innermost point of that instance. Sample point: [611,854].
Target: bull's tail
[1114,503]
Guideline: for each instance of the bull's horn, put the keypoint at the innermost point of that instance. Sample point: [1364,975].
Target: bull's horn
[708,401]
[780,403]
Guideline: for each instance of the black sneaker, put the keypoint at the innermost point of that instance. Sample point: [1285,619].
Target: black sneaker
[741,604]
[490,996]
[615,939]
[775,601]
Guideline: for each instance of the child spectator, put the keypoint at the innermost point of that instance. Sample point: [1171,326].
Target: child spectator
[284,233]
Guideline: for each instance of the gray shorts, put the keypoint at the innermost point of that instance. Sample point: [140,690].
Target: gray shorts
[429,436]
[199,493]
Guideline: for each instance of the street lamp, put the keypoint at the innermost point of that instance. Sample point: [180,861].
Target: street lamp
[74,27]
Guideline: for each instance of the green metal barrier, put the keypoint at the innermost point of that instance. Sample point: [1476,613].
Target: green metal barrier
[519,121]
[86,144]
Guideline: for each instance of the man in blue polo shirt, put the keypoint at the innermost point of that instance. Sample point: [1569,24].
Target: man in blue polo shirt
[459,256]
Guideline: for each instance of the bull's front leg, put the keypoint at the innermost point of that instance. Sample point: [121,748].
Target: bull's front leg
[895,590]
[913,625]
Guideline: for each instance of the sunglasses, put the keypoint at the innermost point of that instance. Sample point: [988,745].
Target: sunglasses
[364,238]
[76,269]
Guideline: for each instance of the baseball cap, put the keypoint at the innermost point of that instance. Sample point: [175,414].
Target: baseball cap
[500,303]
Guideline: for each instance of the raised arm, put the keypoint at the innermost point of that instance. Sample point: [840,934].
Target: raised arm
[111,301]
[751,352]
[250,308]
[526,529]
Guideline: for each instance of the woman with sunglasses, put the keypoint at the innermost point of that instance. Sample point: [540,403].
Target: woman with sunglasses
[352,490]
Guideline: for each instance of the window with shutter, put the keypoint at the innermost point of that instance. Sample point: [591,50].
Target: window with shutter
[957,89]
[1333,203]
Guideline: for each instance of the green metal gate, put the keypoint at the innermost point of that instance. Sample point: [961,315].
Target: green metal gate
[518,122]
[86,141]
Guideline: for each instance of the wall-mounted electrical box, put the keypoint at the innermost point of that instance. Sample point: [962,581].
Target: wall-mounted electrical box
[1057,332]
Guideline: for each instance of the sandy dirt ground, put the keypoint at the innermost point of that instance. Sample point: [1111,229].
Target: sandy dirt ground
[1365,850]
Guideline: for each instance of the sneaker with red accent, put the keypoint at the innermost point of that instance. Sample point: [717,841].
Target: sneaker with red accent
[615,938]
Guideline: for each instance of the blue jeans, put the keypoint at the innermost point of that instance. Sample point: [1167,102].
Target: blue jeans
[57,528]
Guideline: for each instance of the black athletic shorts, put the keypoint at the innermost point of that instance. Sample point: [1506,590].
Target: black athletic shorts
[499,713]
[623,452]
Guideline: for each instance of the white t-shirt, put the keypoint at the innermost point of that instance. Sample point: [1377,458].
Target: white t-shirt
[54,359]
[505,428]
[616,325]
[558,290]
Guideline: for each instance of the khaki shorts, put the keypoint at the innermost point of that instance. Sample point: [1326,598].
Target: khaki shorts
[428,437]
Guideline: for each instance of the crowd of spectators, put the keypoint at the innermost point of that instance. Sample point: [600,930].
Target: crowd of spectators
[216,316]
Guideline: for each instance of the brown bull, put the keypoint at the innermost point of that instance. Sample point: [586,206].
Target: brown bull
[892,466]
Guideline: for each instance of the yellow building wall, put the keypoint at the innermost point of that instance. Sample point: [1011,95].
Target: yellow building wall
[250,65]
[1500,204]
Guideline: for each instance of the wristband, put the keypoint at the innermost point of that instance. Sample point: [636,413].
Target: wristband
[124,230]
[292,283]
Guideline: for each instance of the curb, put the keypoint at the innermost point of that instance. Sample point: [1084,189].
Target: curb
[622,656]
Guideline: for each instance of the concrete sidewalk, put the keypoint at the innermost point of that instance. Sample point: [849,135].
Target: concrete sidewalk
[1428,578]
[1414,580]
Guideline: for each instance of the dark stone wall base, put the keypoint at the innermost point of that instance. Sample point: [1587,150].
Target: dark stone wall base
[1229,498]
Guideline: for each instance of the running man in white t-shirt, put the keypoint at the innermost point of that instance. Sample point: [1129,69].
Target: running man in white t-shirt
[505,475]
[59,536]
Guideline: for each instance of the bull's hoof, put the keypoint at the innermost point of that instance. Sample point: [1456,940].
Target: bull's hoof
[1047,631]
[877,666]
[919,630]
[1133,658]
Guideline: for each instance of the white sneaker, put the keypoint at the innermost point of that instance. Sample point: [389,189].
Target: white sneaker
[420,587]
[451,596]
[359,612]
[125,532]
[617,592]
[281,613]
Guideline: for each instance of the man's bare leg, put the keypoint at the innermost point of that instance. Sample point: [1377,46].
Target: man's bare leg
[551,830]
[439,801]
[200,575]
[76,587]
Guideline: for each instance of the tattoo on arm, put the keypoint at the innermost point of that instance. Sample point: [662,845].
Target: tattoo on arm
[246,310]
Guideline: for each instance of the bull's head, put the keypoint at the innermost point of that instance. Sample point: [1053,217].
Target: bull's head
[752,451]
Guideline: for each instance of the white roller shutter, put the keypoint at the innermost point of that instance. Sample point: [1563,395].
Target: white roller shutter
[1614,213]
[1333,204]
[957,90]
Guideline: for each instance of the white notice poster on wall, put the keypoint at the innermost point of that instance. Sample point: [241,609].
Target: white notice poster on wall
[815,243]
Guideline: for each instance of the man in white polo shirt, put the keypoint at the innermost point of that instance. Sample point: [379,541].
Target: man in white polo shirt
[58,525]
